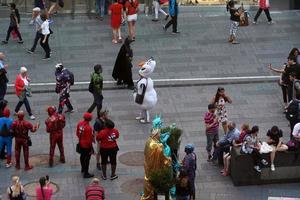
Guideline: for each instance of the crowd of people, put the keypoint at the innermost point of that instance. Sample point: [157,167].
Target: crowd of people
[248,139]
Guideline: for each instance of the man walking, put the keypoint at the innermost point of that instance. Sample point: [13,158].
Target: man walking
[3,77]
[95,87]
[85,135]
[20,128]
[64,80]
[37,21]
[14,24]
[54,126]
[173,12]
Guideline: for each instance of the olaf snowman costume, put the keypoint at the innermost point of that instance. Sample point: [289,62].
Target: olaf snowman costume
[145,88]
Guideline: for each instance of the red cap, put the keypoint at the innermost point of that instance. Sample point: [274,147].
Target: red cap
[6,112]
[51,110]
[20,115]
[87,116]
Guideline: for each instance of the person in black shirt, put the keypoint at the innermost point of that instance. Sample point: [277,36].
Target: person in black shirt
[14,24]
[234,21]
[98,126]
[275,140]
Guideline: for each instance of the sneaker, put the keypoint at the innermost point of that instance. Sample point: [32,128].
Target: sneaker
[46,58]
[164,28]
[175,32]
[4,42]
[155,20]
[29,51]
[143,121]
[254,22]
[257,168]
[88,175]
[32,117]
[20,42]
[8,165]
[114,41]
[272,167]
[113,177]
[270,22]
[138,118]
[235,42]
[69,111]
[264,162]
[103,177]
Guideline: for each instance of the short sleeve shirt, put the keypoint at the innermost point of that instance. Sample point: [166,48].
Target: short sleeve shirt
[233,17]
[296,130]
[275,136]
[132,7]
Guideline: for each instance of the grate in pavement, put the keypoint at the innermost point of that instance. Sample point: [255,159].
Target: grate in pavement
[30,188]
[42,160]
[132,158]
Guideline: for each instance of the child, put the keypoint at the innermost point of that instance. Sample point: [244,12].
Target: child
[115,11]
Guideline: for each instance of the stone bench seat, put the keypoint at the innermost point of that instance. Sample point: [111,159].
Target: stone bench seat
[287,165]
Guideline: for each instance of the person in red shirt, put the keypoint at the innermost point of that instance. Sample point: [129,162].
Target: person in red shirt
[94,191]
[115,10]
[108,148]
[54,126]
[132,8]
[264,5]
[84,133]
[21,128]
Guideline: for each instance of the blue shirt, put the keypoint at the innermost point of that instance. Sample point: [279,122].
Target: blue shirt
[1,64]
[232,135]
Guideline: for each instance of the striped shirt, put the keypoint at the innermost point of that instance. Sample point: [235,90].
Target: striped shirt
[94,192]
[210,118]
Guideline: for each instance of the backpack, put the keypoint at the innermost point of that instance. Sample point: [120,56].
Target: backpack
[70,77]
[293,110]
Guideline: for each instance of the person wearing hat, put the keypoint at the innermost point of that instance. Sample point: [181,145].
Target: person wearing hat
[21,128]
[95,87]
[14,24]
[64,80]
[54,126]
[94,191]
[211,129]
[85,135]
[22,89]
[190,165]
[108,148]
[6,135]
[37,21]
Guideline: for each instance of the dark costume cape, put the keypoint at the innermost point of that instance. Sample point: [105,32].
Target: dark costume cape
[123,65]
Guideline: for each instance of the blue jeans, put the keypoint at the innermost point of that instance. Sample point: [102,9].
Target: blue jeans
[8,142]
[100,7]
[27,106]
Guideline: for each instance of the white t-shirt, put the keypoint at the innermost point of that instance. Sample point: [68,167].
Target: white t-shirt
[296,130]
[45,28]
[26,83]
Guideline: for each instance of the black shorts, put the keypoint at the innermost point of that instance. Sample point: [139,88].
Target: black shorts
[111,153]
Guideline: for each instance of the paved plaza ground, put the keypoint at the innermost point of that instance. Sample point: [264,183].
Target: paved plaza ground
[200,51]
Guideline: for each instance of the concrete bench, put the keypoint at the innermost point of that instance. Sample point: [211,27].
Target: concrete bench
[242,170]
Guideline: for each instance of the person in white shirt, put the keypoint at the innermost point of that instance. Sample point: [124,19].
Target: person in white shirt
[37,21]
[44,42]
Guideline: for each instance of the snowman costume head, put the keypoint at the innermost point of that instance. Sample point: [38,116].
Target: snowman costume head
[145,83]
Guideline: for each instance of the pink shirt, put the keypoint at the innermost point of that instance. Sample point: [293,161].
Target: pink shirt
[47,193]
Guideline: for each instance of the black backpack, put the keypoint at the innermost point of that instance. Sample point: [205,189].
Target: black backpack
[293,110]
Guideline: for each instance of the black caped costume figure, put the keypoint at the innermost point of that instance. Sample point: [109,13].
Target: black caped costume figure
[122,70]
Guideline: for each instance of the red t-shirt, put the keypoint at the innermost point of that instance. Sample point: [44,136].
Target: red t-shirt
[107,138]
[94,192]
[85,130]
[132,7]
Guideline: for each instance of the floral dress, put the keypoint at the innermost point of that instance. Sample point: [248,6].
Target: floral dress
[221,110]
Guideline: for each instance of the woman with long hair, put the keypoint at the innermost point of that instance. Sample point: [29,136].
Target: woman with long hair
[43,191]
[16,190]
[220,100]
[132,8]
[294,55]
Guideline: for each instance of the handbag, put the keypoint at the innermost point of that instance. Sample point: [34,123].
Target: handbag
[139,98]
[29,142]
[28,91]
[265,148]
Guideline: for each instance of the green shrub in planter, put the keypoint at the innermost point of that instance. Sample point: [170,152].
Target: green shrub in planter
[162,180]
